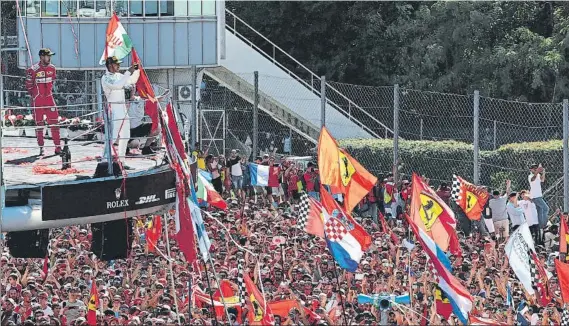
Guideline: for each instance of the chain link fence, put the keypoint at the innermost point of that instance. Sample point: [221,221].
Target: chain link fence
[514,135]
[219,107]
[437,137]
[436,130]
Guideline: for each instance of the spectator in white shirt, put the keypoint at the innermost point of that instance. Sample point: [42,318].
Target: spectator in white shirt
[536,178]
[530,212]
[515,211]
[234,166]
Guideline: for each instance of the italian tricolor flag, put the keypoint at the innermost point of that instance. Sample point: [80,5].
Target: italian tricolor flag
[117,42]
[207,193]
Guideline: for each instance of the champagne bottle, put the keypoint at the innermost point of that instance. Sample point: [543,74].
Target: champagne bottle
[66,157]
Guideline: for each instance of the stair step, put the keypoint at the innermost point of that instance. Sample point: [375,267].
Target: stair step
[266,103]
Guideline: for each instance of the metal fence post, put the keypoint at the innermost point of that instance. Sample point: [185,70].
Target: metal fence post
[421,129]
[323,101]
[565,155]
[495,133]
[476,142]
[395,132]
[256,115]
[195,116]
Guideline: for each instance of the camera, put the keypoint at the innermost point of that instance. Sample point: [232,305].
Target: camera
[384,304]
[383,301]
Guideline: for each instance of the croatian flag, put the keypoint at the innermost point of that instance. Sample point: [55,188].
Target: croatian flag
[261,175]
[346,239]
[459,297]
[439,253]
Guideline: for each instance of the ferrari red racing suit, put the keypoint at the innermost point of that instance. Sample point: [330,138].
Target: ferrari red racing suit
[39,83]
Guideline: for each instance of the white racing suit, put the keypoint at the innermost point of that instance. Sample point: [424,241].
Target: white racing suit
[113,85]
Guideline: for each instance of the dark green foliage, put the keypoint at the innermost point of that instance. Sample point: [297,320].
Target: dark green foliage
[439,160]
[511,50]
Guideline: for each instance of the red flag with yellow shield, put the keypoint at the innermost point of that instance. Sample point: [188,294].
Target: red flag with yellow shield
[470,198]
[93,304]
[433,216]
[341,171]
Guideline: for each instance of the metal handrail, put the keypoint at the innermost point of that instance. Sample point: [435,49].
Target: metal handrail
[302,81]
[351,103]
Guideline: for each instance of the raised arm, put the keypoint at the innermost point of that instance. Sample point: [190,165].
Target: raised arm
[134,77]
[109,83]
[508,187]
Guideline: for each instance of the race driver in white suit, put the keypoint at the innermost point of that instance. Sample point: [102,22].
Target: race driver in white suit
[114,83]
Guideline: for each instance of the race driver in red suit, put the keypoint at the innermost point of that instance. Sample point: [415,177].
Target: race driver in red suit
[39,83]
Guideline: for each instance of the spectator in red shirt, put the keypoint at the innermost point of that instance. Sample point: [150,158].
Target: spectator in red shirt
[309,179]
[291,176]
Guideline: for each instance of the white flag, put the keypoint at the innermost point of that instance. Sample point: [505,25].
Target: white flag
[518,251]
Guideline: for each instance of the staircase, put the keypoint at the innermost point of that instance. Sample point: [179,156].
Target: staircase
[278,111]
[290,99]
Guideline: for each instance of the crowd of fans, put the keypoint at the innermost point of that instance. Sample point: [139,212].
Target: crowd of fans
[139,290]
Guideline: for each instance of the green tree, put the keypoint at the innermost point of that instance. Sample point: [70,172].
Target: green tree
[511,50]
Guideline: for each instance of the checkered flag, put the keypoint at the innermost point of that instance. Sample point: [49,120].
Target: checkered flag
[565,317]
[241,282]
[534,274]
[455,190]
[303,209]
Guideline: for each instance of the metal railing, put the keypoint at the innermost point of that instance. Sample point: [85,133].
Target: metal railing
[239,86]
[231,25]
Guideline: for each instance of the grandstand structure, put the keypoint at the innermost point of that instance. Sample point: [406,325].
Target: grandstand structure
[188,49]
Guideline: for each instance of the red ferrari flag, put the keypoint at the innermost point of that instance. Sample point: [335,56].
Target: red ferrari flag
[153,232]
[341,171]
[432,215]
[442,303]
[93,304]
[469,197]
[259,312]
[310,216]
[146,91]
[563,275]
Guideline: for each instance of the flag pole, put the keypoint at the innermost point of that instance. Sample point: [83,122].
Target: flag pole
[341,296]
[219,287]
[338,283]
[190,284]
[172,283]
[210,292]
[409,269]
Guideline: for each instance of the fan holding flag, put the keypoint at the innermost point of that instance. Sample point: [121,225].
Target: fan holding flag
[118,46]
